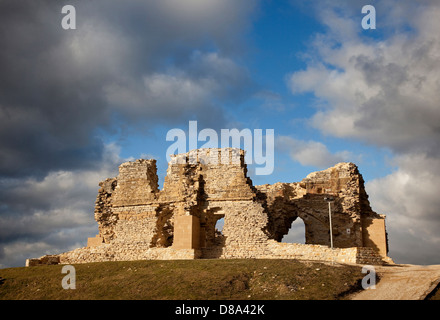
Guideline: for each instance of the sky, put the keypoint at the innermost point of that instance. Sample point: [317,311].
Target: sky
[76,103]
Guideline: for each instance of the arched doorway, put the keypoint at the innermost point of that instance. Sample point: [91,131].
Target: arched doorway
[213,227]
[215,240]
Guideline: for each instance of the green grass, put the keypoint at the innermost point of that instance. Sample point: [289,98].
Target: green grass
[185,279]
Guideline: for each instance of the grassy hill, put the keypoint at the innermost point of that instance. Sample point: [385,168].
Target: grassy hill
[185,279]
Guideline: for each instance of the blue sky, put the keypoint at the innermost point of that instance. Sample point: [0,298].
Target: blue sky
[74,104]
[274,46]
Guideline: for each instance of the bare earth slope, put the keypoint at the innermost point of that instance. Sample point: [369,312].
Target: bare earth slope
[402,282]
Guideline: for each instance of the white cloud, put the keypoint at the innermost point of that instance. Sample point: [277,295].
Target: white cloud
[297,232]
[310,153]
[386,92]
[409,197]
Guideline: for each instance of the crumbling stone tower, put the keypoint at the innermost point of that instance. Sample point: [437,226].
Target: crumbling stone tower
[138,221]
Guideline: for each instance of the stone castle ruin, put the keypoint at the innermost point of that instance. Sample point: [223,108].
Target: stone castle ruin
[137,221]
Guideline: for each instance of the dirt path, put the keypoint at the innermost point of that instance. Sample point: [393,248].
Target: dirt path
[402,282]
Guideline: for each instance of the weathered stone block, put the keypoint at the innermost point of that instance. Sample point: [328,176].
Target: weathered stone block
[95,241]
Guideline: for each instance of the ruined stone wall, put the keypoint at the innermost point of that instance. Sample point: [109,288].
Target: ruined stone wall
[138,221]
[351,211]
[314,252]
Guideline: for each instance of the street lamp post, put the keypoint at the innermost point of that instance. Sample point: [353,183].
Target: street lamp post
[330,200]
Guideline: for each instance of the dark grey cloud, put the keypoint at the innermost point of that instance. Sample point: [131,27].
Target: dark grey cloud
[46,110]
[51,215]
[128,66]
[58,86]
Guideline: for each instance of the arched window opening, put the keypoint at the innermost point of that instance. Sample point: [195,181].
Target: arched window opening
[219,226]
[297,232]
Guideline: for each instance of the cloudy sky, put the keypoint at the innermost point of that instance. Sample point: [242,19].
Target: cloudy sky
[74,104]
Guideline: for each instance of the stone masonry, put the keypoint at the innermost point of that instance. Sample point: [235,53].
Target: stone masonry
[138,221]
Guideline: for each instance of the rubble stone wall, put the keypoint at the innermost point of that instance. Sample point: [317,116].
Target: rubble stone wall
[138,221]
